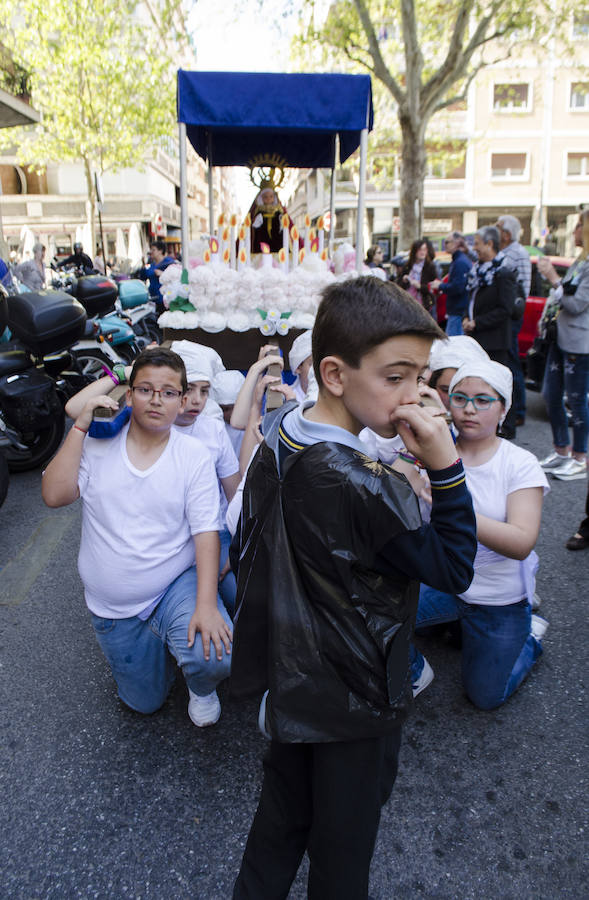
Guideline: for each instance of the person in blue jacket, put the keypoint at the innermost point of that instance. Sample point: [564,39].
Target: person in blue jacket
[455,288]
[159,260]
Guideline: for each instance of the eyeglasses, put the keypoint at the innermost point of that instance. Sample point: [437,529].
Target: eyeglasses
[480,401]
[167,395]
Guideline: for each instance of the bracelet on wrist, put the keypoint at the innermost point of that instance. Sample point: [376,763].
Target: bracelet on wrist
[110,374]
[83,430]
[119,371]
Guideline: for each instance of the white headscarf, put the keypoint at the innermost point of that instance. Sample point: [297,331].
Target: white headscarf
[455,351]
[497,376]
[300,350]
[202,363]
[227,385]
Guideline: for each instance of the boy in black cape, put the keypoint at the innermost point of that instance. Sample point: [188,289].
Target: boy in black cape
[331,552]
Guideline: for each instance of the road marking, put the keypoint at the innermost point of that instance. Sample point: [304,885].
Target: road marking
[19,574]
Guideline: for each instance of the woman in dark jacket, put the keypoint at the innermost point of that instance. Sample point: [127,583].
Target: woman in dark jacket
[493,290]
[417,274]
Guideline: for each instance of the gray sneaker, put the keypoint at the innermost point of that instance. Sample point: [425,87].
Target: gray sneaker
[554,460]
[573,469]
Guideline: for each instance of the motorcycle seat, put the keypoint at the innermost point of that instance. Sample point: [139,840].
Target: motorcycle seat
[13,361]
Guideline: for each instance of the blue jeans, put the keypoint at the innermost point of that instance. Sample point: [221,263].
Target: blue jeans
[454,326]
[227,587]
[498,650]
[567,372]
[519,385]
[141,653]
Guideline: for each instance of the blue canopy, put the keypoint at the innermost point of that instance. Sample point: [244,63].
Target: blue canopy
[296,117]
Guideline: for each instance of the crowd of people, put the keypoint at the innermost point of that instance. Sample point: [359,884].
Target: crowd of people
[299,550]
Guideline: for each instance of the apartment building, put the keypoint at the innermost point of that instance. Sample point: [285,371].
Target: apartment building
[524,130]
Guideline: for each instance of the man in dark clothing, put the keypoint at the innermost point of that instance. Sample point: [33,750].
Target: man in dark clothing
[159,260]
[79,259]
[331,548]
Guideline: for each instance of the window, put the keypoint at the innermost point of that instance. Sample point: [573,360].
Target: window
[581,25]
[509,165]
[511,97]
[578,165]
[579,98]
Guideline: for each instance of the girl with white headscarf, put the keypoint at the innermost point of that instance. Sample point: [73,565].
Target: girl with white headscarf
[501,639]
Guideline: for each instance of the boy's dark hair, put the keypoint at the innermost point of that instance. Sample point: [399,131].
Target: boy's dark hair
[161,245]
[357,315]
[159,356]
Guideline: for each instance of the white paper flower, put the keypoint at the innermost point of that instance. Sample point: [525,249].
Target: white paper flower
[282,326]
[273,315]
[268,328]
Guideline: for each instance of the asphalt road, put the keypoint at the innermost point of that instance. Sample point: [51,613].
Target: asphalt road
[97,801]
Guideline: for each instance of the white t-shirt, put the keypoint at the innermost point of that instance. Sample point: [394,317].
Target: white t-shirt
[499,581]
[215,438]
[138,526]
[384,449]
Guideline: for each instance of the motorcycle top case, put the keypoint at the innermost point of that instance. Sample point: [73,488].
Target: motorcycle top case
[46,321]
[97,294]
[132,293]
[28,400]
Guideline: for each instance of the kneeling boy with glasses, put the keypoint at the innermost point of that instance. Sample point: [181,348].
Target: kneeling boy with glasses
[150,509]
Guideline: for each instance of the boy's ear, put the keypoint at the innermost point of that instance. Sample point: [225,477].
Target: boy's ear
[331,369]
[183,401]
[129,397]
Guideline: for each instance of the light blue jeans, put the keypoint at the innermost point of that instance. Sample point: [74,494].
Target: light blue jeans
[227,587]
[141,653]
[498,650]
[454,325]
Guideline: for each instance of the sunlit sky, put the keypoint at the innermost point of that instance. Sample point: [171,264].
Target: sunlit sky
[243,36]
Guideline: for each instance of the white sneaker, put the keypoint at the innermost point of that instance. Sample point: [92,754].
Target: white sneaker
[573,469]
[554,460]
[204,710]
[539,627]
[426,677]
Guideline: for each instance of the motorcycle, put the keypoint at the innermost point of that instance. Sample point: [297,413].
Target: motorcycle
[43,325]
[109,337]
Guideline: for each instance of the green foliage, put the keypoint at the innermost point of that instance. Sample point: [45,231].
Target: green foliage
[99,77]
[423,55]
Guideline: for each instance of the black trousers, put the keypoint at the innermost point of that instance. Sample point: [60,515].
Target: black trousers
[325,799]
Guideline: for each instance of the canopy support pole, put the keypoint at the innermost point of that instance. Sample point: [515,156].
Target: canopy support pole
[210,181]
[332,197]
[361,200]
[183,193]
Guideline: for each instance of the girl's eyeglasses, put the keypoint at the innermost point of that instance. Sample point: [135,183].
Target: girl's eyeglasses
[480,401]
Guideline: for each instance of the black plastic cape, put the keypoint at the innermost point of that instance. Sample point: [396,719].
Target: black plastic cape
[316,624]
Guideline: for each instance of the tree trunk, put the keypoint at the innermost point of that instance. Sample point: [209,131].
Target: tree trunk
[91,189]
[413,170]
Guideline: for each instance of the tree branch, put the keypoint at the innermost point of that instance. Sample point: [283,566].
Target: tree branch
[380,70]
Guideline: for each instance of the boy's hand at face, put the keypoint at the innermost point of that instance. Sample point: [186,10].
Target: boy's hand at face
[84,420]
[425,434]
[212,627]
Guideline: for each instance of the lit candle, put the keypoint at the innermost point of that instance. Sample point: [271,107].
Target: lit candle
[214,245]
[283,260]
[226,255]
[266,256]
[233,223]
[241,247]
[294,234]
[241,258]
[321,233]
[285,227]
[248,240]
[301,254]
[307,229]
[225,243]
[313,241]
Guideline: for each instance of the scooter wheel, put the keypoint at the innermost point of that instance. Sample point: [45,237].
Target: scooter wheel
[41,445]
[90,363]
